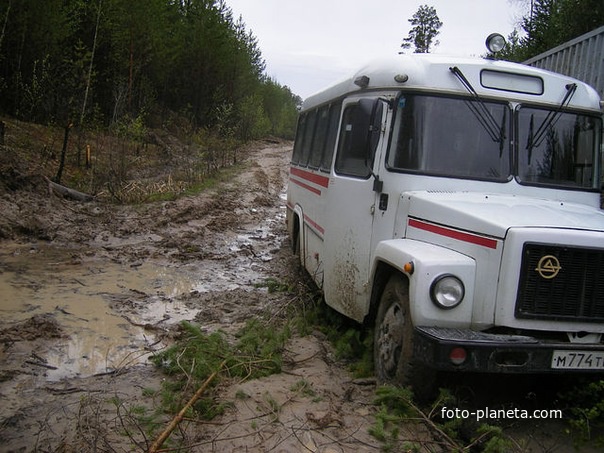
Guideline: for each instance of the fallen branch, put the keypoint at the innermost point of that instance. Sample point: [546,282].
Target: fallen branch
[146,325]
[178,418]
[449,442]
[68,391]
[66,192]
[43,365]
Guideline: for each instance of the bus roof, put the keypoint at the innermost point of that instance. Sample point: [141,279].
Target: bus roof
[490,78]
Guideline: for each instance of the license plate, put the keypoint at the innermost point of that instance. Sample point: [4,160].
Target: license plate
[578,360]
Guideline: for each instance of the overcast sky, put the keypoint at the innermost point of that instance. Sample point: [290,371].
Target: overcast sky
[309,44]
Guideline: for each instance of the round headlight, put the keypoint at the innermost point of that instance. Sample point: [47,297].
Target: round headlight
[495,42]
[447,291]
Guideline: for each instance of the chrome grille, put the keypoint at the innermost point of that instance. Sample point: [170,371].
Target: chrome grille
[574,293]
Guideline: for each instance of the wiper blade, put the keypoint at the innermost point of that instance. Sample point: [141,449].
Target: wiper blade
[480,110]
[552,117]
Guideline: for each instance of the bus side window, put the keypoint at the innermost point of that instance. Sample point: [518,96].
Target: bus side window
[299,142]
[358,138]
[332,134]
[309,133]
[316,154]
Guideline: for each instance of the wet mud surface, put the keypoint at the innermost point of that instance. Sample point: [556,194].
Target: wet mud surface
[82,312]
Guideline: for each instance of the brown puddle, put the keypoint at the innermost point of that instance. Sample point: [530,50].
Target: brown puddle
[81,294]
[102,307]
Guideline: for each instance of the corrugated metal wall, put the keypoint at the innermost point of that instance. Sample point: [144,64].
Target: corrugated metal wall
[581,58]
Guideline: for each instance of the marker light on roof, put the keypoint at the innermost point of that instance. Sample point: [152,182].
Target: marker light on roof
[362,81]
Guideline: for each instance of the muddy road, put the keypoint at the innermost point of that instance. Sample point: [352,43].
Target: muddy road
[83,309]
[89,291]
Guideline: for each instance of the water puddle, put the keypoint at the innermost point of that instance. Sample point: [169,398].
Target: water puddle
[73,291]
[102,305]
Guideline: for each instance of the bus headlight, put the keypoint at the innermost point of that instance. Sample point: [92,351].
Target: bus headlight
[447,291]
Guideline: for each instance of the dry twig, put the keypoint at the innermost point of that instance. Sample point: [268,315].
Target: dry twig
[177,419]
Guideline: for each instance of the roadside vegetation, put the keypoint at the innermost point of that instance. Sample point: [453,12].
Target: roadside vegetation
[119,64]
[549,23]
[106,92]
[129,165]
[199,361]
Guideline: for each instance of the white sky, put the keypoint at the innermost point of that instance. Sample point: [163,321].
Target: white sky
[310,44]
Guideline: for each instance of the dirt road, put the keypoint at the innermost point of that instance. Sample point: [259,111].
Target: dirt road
[89,291]
[83,311]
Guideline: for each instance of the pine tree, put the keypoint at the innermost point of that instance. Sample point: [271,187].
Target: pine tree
[426,25]
[551,23]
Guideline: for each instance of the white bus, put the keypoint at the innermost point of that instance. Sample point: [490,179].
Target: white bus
[454,206]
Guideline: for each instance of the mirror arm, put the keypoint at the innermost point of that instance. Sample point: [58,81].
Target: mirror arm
[378,184]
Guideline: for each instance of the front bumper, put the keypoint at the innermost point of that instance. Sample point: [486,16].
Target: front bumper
[496,353]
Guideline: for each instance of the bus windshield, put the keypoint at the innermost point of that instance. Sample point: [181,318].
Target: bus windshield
[451,137]
[558,149]
[456,137]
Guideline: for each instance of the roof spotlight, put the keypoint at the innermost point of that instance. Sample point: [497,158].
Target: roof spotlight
[495,42]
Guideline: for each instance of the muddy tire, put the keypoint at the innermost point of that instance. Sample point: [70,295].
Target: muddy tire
[296,244]
[393,342]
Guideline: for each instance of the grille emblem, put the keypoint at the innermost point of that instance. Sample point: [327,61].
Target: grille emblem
[548,267]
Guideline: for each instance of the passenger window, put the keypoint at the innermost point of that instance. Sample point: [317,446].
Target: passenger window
[308,137]
[318,145]
[299,142]
[332,134]
[359,135]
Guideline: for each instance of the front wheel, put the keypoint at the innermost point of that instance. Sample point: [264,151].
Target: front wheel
[393,341]
[393,337]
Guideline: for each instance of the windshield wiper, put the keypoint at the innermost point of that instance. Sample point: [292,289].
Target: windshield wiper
[481,112]
[552,117]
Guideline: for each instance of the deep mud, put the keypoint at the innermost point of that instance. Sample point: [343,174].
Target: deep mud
[89,290]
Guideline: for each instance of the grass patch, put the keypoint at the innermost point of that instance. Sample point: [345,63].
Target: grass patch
[305,389]
[274,286]
[585,404]
[256,352]
[352,343]
[397,408]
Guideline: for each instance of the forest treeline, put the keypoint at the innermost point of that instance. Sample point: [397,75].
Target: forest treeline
[99,63]
[550,23]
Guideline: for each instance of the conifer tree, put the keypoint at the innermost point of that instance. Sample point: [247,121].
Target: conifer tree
[426,26]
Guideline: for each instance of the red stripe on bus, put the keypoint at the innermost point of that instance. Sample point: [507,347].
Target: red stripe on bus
[314,224]
[308,220]
[306,186]
[312,177]
[454,234]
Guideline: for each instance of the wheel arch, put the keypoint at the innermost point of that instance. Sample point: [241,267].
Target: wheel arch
[427,262]
[297,232]
[382,272]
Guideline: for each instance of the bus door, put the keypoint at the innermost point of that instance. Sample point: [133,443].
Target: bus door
[350,206]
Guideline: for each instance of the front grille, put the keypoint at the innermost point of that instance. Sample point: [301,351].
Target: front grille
[568,285]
